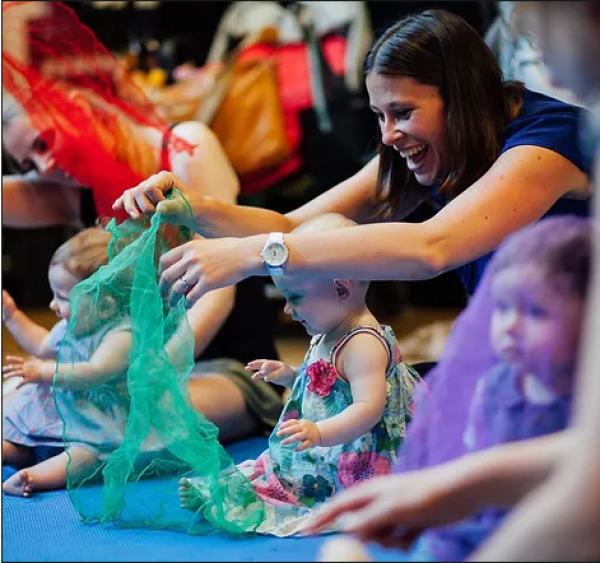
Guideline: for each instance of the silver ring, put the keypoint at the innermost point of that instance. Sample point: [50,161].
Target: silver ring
[186,285]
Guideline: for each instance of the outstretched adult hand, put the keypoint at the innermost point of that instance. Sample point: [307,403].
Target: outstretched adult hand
[393,510]
[150,196]
[199,266]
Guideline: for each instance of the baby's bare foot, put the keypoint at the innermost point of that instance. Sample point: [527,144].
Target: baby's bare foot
[19,484]
[189,495]
[343,548]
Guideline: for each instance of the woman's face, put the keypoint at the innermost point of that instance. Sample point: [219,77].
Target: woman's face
[30,150]
[412,118]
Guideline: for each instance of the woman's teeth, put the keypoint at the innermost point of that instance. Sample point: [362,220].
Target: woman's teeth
[412,151]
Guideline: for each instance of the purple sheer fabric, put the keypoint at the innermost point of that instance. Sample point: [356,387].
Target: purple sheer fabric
[477,397]
[560,248]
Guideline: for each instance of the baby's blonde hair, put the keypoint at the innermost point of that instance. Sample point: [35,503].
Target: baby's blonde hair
[83,254]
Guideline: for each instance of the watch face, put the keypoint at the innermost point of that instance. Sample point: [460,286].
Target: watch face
[275,254]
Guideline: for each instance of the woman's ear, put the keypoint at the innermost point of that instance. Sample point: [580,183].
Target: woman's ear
[343,289]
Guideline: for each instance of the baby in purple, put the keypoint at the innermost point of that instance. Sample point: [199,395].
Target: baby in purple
[532,318]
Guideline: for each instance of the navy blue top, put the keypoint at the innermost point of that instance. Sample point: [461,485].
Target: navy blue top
[549,123]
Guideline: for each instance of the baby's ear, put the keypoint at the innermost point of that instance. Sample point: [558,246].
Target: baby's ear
[107,307]
[343,288]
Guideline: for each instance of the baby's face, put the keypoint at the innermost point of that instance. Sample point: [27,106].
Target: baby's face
[313,303]
[61,283]
[535,328]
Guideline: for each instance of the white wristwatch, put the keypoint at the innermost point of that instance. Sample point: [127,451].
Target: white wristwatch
[275,254]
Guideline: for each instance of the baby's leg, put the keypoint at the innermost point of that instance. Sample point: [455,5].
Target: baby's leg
[50,474]
[16,455]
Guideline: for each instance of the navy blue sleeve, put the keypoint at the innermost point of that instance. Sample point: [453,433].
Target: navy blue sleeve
[550,124]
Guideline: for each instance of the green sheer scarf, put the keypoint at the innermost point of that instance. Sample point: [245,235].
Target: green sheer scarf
[132,434]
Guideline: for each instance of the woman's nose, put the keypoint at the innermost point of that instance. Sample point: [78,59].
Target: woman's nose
[390,134]
[287,309]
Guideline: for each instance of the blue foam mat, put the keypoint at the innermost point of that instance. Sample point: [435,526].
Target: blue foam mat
[46,527]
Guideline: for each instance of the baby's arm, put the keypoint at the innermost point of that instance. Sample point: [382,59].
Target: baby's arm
[363,361]
[32,337]
[470,436]
[110,359]
[273,371]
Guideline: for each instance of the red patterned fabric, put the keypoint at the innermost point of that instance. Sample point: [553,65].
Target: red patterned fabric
[82,101]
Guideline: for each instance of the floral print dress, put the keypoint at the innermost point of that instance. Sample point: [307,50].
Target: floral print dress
[295,484]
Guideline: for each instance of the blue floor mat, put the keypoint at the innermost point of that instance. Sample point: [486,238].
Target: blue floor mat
[46,527]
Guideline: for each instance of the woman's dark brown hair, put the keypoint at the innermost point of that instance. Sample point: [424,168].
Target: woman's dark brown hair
[438,48]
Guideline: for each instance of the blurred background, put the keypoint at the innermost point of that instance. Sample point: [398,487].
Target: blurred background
[177,52]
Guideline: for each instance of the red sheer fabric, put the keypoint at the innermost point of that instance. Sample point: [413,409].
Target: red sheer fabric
[99,126]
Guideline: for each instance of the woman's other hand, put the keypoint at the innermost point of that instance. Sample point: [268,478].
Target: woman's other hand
[201,265]
[149,197]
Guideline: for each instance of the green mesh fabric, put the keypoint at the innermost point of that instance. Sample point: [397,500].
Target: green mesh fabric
[130,430]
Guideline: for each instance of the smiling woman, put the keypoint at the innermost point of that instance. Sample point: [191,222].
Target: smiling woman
[488,156]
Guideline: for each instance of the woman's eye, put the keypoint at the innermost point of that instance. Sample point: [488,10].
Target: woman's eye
[45,141]
[403,114]
[40,146]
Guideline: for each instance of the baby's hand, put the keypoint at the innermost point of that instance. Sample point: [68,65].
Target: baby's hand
[272,371]
[8,306]
[304,431]
[31,370]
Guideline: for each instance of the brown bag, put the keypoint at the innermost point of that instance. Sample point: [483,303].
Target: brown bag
[249,122]
[239,101]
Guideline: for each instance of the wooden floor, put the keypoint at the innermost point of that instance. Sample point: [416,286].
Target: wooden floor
[292,344]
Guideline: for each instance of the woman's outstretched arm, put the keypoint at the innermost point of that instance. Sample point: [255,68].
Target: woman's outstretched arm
[521,187]
[216,216]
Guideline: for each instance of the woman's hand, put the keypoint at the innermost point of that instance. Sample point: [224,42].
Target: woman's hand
[9,307]
[394,510]
[201,265]
[272,371]
[32,371]
[149,197]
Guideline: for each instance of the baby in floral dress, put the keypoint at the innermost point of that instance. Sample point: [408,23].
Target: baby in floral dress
[348,409]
